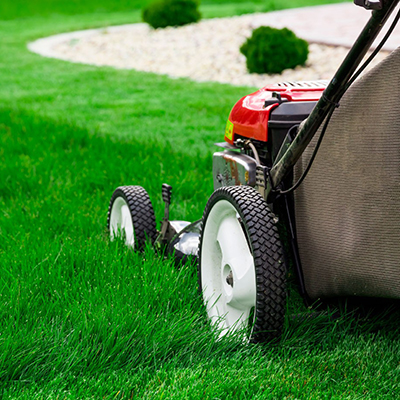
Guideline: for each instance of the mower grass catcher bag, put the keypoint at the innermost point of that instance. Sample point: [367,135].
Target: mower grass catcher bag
[348,207]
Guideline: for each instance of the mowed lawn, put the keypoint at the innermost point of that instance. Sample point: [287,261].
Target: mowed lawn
[83,318]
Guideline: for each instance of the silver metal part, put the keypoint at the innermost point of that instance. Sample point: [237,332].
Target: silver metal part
[187,239]
[231,168]
[179,225]
[188,243]
[226,145]
[261,180]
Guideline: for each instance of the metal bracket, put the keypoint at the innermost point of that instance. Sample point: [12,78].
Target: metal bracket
[262,179]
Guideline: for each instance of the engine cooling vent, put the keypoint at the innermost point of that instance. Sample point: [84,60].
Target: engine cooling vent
[303,84]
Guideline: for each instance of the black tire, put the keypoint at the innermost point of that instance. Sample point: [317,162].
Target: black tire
[265,319]
[137,201]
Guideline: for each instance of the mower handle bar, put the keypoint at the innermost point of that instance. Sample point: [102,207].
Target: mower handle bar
[331,96]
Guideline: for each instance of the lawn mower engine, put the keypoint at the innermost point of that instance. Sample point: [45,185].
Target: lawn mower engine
[258,126]
[341,222]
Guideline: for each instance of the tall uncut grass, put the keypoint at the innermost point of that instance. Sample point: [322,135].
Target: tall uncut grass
[84,318]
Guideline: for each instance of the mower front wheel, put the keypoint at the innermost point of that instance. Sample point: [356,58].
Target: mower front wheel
[131,216]
[242,274]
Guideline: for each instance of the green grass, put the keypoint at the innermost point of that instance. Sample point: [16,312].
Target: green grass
[85,318]
[27,8]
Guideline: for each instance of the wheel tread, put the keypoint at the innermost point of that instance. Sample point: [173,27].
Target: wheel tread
[269,264]
[142,213]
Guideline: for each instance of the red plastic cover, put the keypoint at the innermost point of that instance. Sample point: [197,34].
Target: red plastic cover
[250,115]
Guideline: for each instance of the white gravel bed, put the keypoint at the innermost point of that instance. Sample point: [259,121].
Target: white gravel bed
[206,51]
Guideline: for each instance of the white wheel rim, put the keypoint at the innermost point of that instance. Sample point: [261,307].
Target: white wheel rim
[121,224]
[226,254]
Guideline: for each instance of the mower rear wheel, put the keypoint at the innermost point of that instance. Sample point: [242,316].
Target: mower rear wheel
[242,274]
[131,216]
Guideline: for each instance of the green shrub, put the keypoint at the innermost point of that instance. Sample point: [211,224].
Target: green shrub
[271,50]
[171,13]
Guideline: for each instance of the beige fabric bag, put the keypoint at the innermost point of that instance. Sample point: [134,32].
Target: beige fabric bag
[348,207]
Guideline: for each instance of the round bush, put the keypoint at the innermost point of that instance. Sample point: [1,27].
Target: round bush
[171,13]
[271,50]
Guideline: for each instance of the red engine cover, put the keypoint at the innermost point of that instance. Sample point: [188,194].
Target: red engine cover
[249,117]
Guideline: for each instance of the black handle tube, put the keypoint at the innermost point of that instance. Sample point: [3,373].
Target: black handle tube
[332,94]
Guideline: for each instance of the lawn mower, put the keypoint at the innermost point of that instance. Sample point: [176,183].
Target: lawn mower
[339,228]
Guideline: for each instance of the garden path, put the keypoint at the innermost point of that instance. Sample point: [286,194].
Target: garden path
[209,50]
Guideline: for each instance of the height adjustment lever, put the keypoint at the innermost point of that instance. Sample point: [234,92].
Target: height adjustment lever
[166,191]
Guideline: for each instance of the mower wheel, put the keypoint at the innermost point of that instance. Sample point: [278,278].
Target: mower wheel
[131,216]
[242,273]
